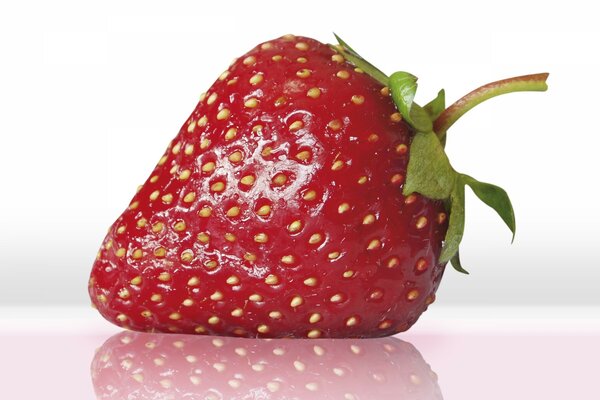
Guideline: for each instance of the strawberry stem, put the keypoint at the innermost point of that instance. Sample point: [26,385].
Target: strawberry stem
[525,83]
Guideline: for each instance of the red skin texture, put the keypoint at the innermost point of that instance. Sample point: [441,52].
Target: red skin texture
[391,283]
[152,366]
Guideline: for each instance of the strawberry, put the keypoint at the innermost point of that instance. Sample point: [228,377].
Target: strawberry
[140,365]
[288,205]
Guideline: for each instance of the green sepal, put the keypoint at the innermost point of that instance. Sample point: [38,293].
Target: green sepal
[495,197]
[429,171]
[355,58]
[436,106]
[456,223]
[455,261]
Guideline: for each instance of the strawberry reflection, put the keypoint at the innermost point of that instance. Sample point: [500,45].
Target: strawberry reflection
[134,365]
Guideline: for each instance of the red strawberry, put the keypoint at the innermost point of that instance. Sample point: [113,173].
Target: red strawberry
[281,209]
[150,366]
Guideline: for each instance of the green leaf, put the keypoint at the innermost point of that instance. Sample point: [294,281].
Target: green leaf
[429,171]
[455,261]
[355,58]
[403,87]
[420,119]
[456,224]
[435,107]
[495,197]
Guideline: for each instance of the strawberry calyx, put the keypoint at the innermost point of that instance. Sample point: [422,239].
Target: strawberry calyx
[429,170]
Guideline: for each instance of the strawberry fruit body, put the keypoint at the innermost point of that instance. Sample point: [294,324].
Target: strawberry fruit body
[278,210]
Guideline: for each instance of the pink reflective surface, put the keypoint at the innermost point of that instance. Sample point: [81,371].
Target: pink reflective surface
[493,358]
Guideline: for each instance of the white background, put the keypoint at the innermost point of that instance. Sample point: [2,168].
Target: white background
[91,93]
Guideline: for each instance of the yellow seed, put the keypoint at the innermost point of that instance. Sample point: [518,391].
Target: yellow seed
[175,316]
[276,58]
[368,219]
[203,237]
[162,160]
[202,121]
[271,280]
[294,126]
[393,262]
[262,328]
[295,226]
[372,138]
[208,167]
[255,297]
[236,156]
[157,298]
[348,274]
[302,46]
[337,165]
[230,237]
[189,149]
[202,97]
[188,302]
[224,76]
[257,128]
[296,301]
[247,180]
[412,295]
[357,99]
[266,151]
[187,256]
[167,198]
[136,281]
[362,180]
[185,174]
[333,255]
[256,79]
[160,252]
[200,329]
[344,207]
[351,321]
[310,281]
[343,74]
[336,298]
[121,317]
[121,229]
[250,257]
[358,70]
[137,254]
[264,210]
[396,117]
[232,82]
[302,60]
[251,103]
[179,226]
[385,91]
[261,238]
[275,315]
[154,178]
[410,199]
[250,60]
[154,195]
[157,227]
[140,223]
[233,280]
[335,125]
[314,318]
[280,101]
[120,252]
[310,195]
[146,314]
[338,58]
[279,179]
[377,294]
[193,281]
[303,73]
[315,238]
[385,324]
[230,134]
[421,222]
[217,187]
[204,143]
[233,211]
[396,178]
[216,296]
[190,197]
[212,98]
[205,212]
[314,93]
[173,169]
[223,114]
[176,148]
[374,244]
[214,320]
[164,276]
[237,312]
[124,293]
[288,259]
